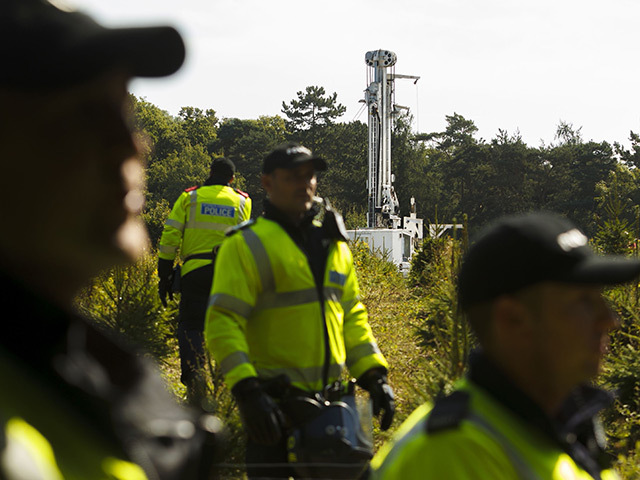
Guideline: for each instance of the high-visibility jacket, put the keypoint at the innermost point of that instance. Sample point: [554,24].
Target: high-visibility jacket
[198,221]
[268,317]
[66,448]
[489,442]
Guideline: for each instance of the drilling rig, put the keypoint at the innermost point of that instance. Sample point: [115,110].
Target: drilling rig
[386,231]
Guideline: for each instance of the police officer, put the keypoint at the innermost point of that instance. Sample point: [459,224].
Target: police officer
[195,228]
[284,304]
[76,402]
[532,291]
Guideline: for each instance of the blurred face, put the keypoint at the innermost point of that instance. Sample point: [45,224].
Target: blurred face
[570,333]
[72,176]
[291,190]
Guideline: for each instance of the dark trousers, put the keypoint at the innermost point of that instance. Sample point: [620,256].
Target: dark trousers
[195,288]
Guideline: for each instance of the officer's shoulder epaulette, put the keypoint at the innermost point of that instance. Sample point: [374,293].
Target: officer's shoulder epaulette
[240,192]
[240,226]
[191,189]
[448,412]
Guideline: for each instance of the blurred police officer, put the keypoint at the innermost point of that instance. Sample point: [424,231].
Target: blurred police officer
[285,304]
[195,228]
[532,291]
[75,403]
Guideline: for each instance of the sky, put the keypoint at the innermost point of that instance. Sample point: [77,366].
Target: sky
[521,66]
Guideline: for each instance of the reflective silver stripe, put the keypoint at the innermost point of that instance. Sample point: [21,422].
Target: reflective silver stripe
[295,298]
[348,305]
[361,351]
[174,223]
[241,212]
[302,375]
[261,258]
[167,249]
[332,293]
[193,208]
[209,226]
[232,361]
[286,299]
[525,472]
[233,304]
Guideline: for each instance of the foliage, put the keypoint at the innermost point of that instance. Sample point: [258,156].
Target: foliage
[344,183]
[451,174]
[313,110]
[444,333]
[394,315]
[125,299]
[246,143]
[621,374]
[617,211]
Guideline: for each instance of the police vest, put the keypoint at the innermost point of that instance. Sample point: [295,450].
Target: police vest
[198,221]
[267,317]
[487,441]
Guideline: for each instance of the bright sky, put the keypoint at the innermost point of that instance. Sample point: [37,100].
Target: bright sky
[505,64]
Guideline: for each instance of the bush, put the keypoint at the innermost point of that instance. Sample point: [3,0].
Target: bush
[125,299]
[621,375]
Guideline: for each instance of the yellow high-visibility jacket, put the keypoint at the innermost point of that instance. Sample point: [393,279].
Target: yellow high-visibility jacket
[267,317]
[71,449]
[198,221]
[489,442]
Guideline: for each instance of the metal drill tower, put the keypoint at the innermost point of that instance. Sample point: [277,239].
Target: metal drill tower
[383,201]
[386,231]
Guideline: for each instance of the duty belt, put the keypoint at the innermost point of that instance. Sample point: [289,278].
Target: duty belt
[204,256]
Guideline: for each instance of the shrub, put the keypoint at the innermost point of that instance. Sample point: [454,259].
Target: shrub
[125,299]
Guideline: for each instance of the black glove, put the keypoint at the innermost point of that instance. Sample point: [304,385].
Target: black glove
[375,382]
[165,272]
[261,417]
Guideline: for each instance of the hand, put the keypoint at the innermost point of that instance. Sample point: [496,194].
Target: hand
[164,290]
[261,417]
[375,382]
[165,272]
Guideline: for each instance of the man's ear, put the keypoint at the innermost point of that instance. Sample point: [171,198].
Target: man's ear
[266,180]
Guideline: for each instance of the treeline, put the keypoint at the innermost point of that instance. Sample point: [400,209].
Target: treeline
[451,174]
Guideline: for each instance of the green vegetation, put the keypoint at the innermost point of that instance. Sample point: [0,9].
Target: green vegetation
[415,322]
[452,174]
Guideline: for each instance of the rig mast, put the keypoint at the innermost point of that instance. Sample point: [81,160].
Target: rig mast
[383,201]
[386,231]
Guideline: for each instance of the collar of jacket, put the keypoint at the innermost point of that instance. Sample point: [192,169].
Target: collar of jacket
[215,181]
[299,233]
[572,429]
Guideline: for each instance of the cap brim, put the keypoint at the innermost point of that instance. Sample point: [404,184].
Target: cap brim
[142,52]
[319,163]
[52,49]
[604,270]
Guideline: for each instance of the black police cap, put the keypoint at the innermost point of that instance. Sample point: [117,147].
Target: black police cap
[520,251]
[43,47]
[290,155]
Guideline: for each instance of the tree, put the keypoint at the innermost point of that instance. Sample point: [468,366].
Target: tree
[618,215]
[344,183]
[246,143]
[576,167]
[158,131]
[631,157]
[199,127]
[167,179]
[458,132]
[567,135]
[312,110]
